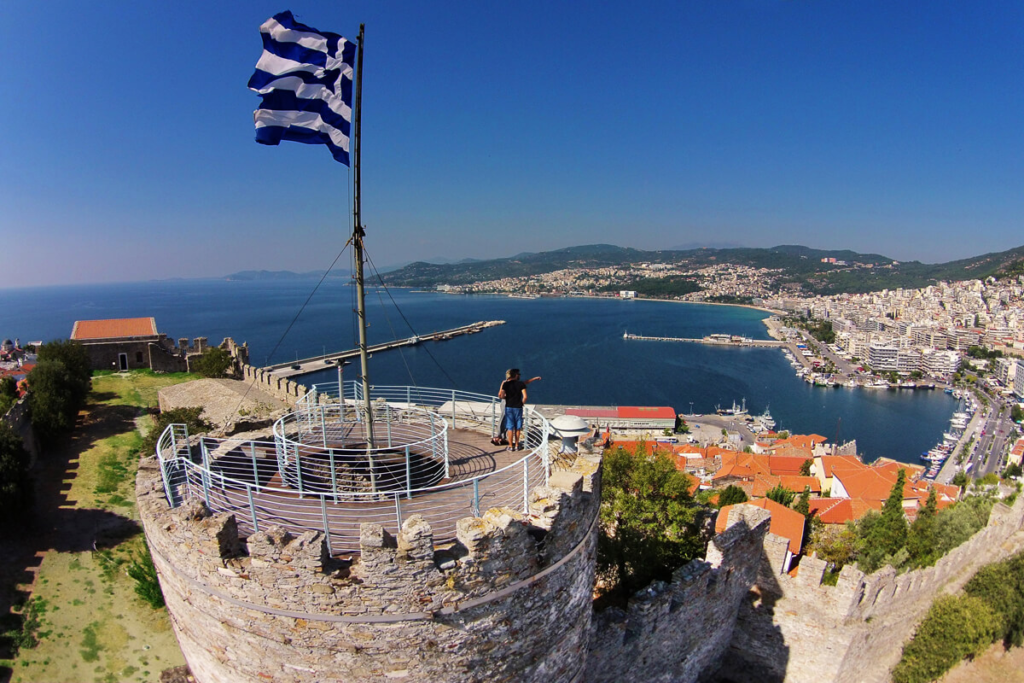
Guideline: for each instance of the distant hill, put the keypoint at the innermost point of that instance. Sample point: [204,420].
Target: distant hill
[801,265]
[247,275]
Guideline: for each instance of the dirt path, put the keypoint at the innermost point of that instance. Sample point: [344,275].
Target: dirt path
[995,666]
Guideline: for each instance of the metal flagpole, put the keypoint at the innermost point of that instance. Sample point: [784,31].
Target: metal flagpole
[357,242]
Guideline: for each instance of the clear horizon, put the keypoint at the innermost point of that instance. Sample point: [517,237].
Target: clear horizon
[493,130]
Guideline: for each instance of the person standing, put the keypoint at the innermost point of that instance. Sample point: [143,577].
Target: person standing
[513,391]
[502,438]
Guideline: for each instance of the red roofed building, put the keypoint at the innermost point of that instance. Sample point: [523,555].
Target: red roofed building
[629,417]
[1016,453]
[133,344]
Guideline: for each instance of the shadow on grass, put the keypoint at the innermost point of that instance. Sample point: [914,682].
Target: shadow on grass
[53,523]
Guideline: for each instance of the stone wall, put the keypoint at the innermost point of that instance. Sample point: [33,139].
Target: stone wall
[509,601]
[278,387]
[797,630]
[678,631]
[19,420]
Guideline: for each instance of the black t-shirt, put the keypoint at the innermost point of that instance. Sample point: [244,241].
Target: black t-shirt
[513,389]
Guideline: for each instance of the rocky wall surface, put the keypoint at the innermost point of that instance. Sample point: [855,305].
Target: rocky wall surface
[679,631]
[509,601]
[800,631]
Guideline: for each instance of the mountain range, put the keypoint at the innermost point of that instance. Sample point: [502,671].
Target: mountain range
[800,265]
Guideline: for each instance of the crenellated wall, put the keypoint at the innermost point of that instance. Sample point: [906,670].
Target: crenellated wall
[509,601]
[678,631]
[798,630]
[278,387]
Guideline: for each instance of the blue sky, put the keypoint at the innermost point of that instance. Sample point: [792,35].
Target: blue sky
[127,152]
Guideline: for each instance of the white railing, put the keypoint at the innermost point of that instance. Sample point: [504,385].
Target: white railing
[248,478]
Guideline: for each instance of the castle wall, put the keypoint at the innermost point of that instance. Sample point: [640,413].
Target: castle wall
[680,630]
[799,630]
[509,601]
[278,387]
[21,422]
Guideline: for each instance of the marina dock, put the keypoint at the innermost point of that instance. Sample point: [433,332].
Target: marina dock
[307,365]
[713,339]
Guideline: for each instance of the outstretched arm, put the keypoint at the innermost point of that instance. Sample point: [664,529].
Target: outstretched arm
[532,379]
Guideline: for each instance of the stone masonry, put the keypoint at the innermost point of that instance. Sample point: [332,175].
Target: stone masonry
[797,630]
[509,601]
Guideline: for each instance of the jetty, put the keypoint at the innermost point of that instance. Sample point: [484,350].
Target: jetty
[307,365]
[713,339]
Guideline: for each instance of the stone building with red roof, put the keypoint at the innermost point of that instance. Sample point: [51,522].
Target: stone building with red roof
[133,344]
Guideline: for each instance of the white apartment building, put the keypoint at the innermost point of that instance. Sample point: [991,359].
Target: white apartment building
[908,360]
[936,362]
[883,357]
[1005,370]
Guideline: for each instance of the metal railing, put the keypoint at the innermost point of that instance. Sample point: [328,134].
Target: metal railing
[247,478]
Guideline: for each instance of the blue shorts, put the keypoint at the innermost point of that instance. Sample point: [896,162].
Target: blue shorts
[514,419]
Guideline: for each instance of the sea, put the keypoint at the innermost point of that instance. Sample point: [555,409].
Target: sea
[575,344]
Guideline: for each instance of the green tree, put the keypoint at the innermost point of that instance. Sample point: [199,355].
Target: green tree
[834,544]
[805,467]
[781,495]
[803,503]
[15,485]
[75,358]
[961,479]
[883,535]
[731,495]
[8,394]
[1017,413]
[650,524]
[1013,470]
[215,362]
[53,398]
[921,537]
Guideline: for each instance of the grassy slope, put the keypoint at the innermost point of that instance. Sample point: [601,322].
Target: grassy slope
[94,628]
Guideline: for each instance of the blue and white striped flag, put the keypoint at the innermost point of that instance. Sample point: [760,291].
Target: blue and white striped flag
[305,80]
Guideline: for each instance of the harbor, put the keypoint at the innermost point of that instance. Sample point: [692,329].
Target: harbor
[713,339]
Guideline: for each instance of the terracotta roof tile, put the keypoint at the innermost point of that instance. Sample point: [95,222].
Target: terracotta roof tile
[114,329]
[788,524]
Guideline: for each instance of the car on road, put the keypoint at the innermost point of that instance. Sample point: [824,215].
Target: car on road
[296,366]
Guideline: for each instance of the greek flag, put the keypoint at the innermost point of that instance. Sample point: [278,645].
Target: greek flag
[304,78]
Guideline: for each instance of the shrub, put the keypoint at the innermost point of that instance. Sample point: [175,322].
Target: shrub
[731,495]
[955,627]
[190,417]
[147,586]
[214,362]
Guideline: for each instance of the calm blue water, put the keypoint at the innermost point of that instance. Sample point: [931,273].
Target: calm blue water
[575,344]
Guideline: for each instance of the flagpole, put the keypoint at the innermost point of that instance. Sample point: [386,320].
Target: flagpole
[357,242]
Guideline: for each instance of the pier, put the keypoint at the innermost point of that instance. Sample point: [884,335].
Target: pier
[714,340]
[307,365]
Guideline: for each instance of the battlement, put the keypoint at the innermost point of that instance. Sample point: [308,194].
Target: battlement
[868,617]
[509,599]
[679,630]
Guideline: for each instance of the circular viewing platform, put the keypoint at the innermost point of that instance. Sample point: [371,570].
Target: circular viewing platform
[429,452]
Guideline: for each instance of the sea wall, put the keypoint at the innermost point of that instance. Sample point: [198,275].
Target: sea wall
[797,630]
[509,601]
[679,631]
